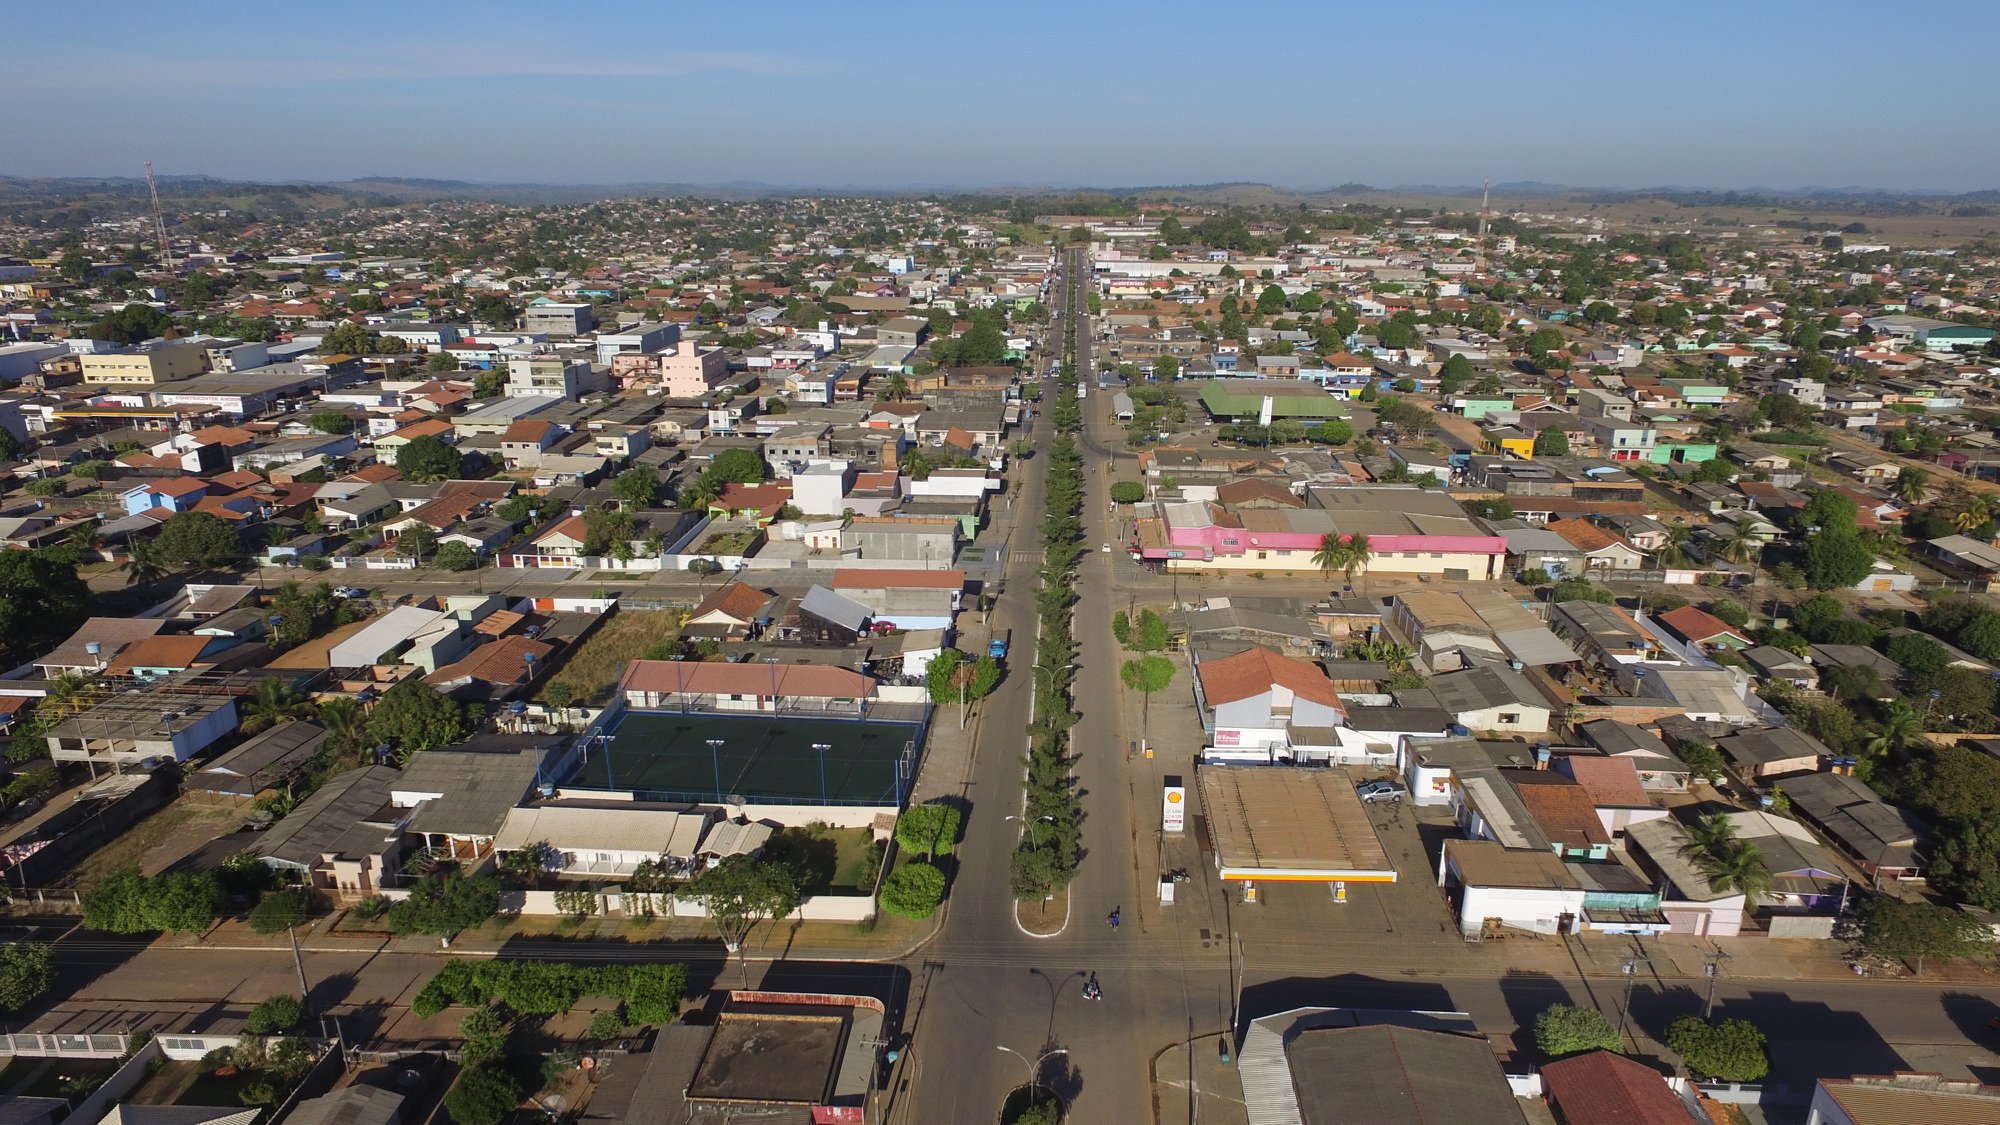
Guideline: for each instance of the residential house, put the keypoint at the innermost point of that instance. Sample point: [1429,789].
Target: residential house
[1692,904]
[736,611]
[826,617]
[1775,663]
[1493,887]
[926,541]
[1563,812]
[461,796]
[1886,840]
[1614,789]
[1600,549]
[1255,700]
[1702,629]
[1602,1088]
[1493,698]
[904,599]
[607,839]
[345,840]
[1775,752]
[1659,770]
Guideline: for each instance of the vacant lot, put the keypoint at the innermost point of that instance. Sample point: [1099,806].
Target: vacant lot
[593,668]
[157,842]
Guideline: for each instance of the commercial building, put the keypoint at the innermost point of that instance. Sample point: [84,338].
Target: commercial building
[558,321]
[1276,824]
[145,366]
[1350,1066]
[1409,530]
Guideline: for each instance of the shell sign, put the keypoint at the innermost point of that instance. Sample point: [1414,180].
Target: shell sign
[1173,809]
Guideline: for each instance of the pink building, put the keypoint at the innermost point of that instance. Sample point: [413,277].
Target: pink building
[691,372]
[1409,532]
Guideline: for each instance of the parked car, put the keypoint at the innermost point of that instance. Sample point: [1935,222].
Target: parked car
[349,592]
[1373,792]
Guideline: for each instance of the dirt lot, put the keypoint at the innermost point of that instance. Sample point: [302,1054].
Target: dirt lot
[156,842]
[593,668]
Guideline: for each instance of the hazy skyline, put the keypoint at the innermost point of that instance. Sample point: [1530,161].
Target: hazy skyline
[1697,94]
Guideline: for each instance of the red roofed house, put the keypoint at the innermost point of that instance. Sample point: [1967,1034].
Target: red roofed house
[524,442]
[1703,629]
[1602,1088]
[1253,703]
[1614,788]
[1601,550]
[389,445]
[760,502]
[906,599]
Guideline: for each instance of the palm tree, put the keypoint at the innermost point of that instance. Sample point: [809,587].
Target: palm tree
[1709,838]
[143,564]
[896,389]
[1331,554]
[1900,726]
[1911,484]
[1675,551]
[346,723]
[1351,557]
[1977,511]
[1738,867]
[273,702]
[1743,544]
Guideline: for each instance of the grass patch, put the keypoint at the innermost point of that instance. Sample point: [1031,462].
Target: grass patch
[833,860]
[157,841]
[56,1078]
[592,668]
[728,543]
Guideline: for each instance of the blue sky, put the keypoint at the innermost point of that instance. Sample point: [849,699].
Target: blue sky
[1769,93]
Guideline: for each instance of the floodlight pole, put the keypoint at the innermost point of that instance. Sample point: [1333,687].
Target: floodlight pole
[715,757]
[822,748]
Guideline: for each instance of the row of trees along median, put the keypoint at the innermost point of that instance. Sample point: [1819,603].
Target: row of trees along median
[1046,859]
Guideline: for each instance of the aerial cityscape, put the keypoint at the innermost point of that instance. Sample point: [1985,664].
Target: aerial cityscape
[737,584]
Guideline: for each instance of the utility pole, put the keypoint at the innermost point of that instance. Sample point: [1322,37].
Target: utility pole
[299,961]
[1712,969]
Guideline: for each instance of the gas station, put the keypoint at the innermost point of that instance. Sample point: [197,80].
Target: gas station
[1286,824]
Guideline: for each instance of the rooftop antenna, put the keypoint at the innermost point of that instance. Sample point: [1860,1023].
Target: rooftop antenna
[159,219]
[1485,193]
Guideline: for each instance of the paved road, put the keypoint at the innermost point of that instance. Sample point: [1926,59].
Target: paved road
[985,984]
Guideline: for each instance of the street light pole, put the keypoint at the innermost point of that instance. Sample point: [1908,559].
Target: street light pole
[1712,969]
[1034,1068]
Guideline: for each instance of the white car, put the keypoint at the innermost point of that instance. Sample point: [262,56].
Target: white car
[349,593]
[1107,548]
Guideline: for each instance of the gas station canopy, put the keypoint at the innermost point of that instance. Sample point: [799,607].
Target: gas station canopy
[1290,824]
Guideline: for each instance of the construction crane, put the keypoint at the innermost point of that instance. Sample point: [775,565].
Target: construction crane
[159,220]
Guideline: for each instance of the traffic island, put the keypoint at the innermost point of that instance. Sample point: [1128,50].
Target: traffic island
[1044,917]
[1031,1105]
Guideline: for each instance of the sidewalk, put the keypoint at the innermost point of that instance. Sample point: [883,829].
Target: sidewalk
[1191,1084]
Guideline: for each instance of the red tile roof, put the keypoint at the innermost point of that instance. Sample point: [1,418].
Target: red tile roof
[1696,625]
[739,601]
[716,678]
[1255,671]
[1609,781]
[1584,535]
[1601,1088]
[1562,810]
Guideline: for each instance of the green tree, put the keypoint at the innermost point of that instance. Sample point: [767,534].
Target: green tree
[198,541]
[1834,560]
[455,555]
[441,363]
[279,910]
[492,309]
[275,1015]
[274,701]
[1127,492]
[1271,300]
[1912,484]
[1913,932]
[27,969]
[42,600]
[483,1095]
[736,466]
[913,890]
[330,422]
[427,457]
[740,890]
[415,716]
[931,829]
[126,902]
[301,613]
[446,903]
[636,487]
[1732,1050]
[417,541]
[1851,683]
[484,1035]
[489,384]
[1146,674]
[1565,1029]
[1552,442]
[1035,873]
[1704,761]
[347,338]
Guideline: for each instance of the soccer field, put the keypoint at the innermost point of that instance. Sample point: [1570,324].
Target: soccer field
[762,758]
